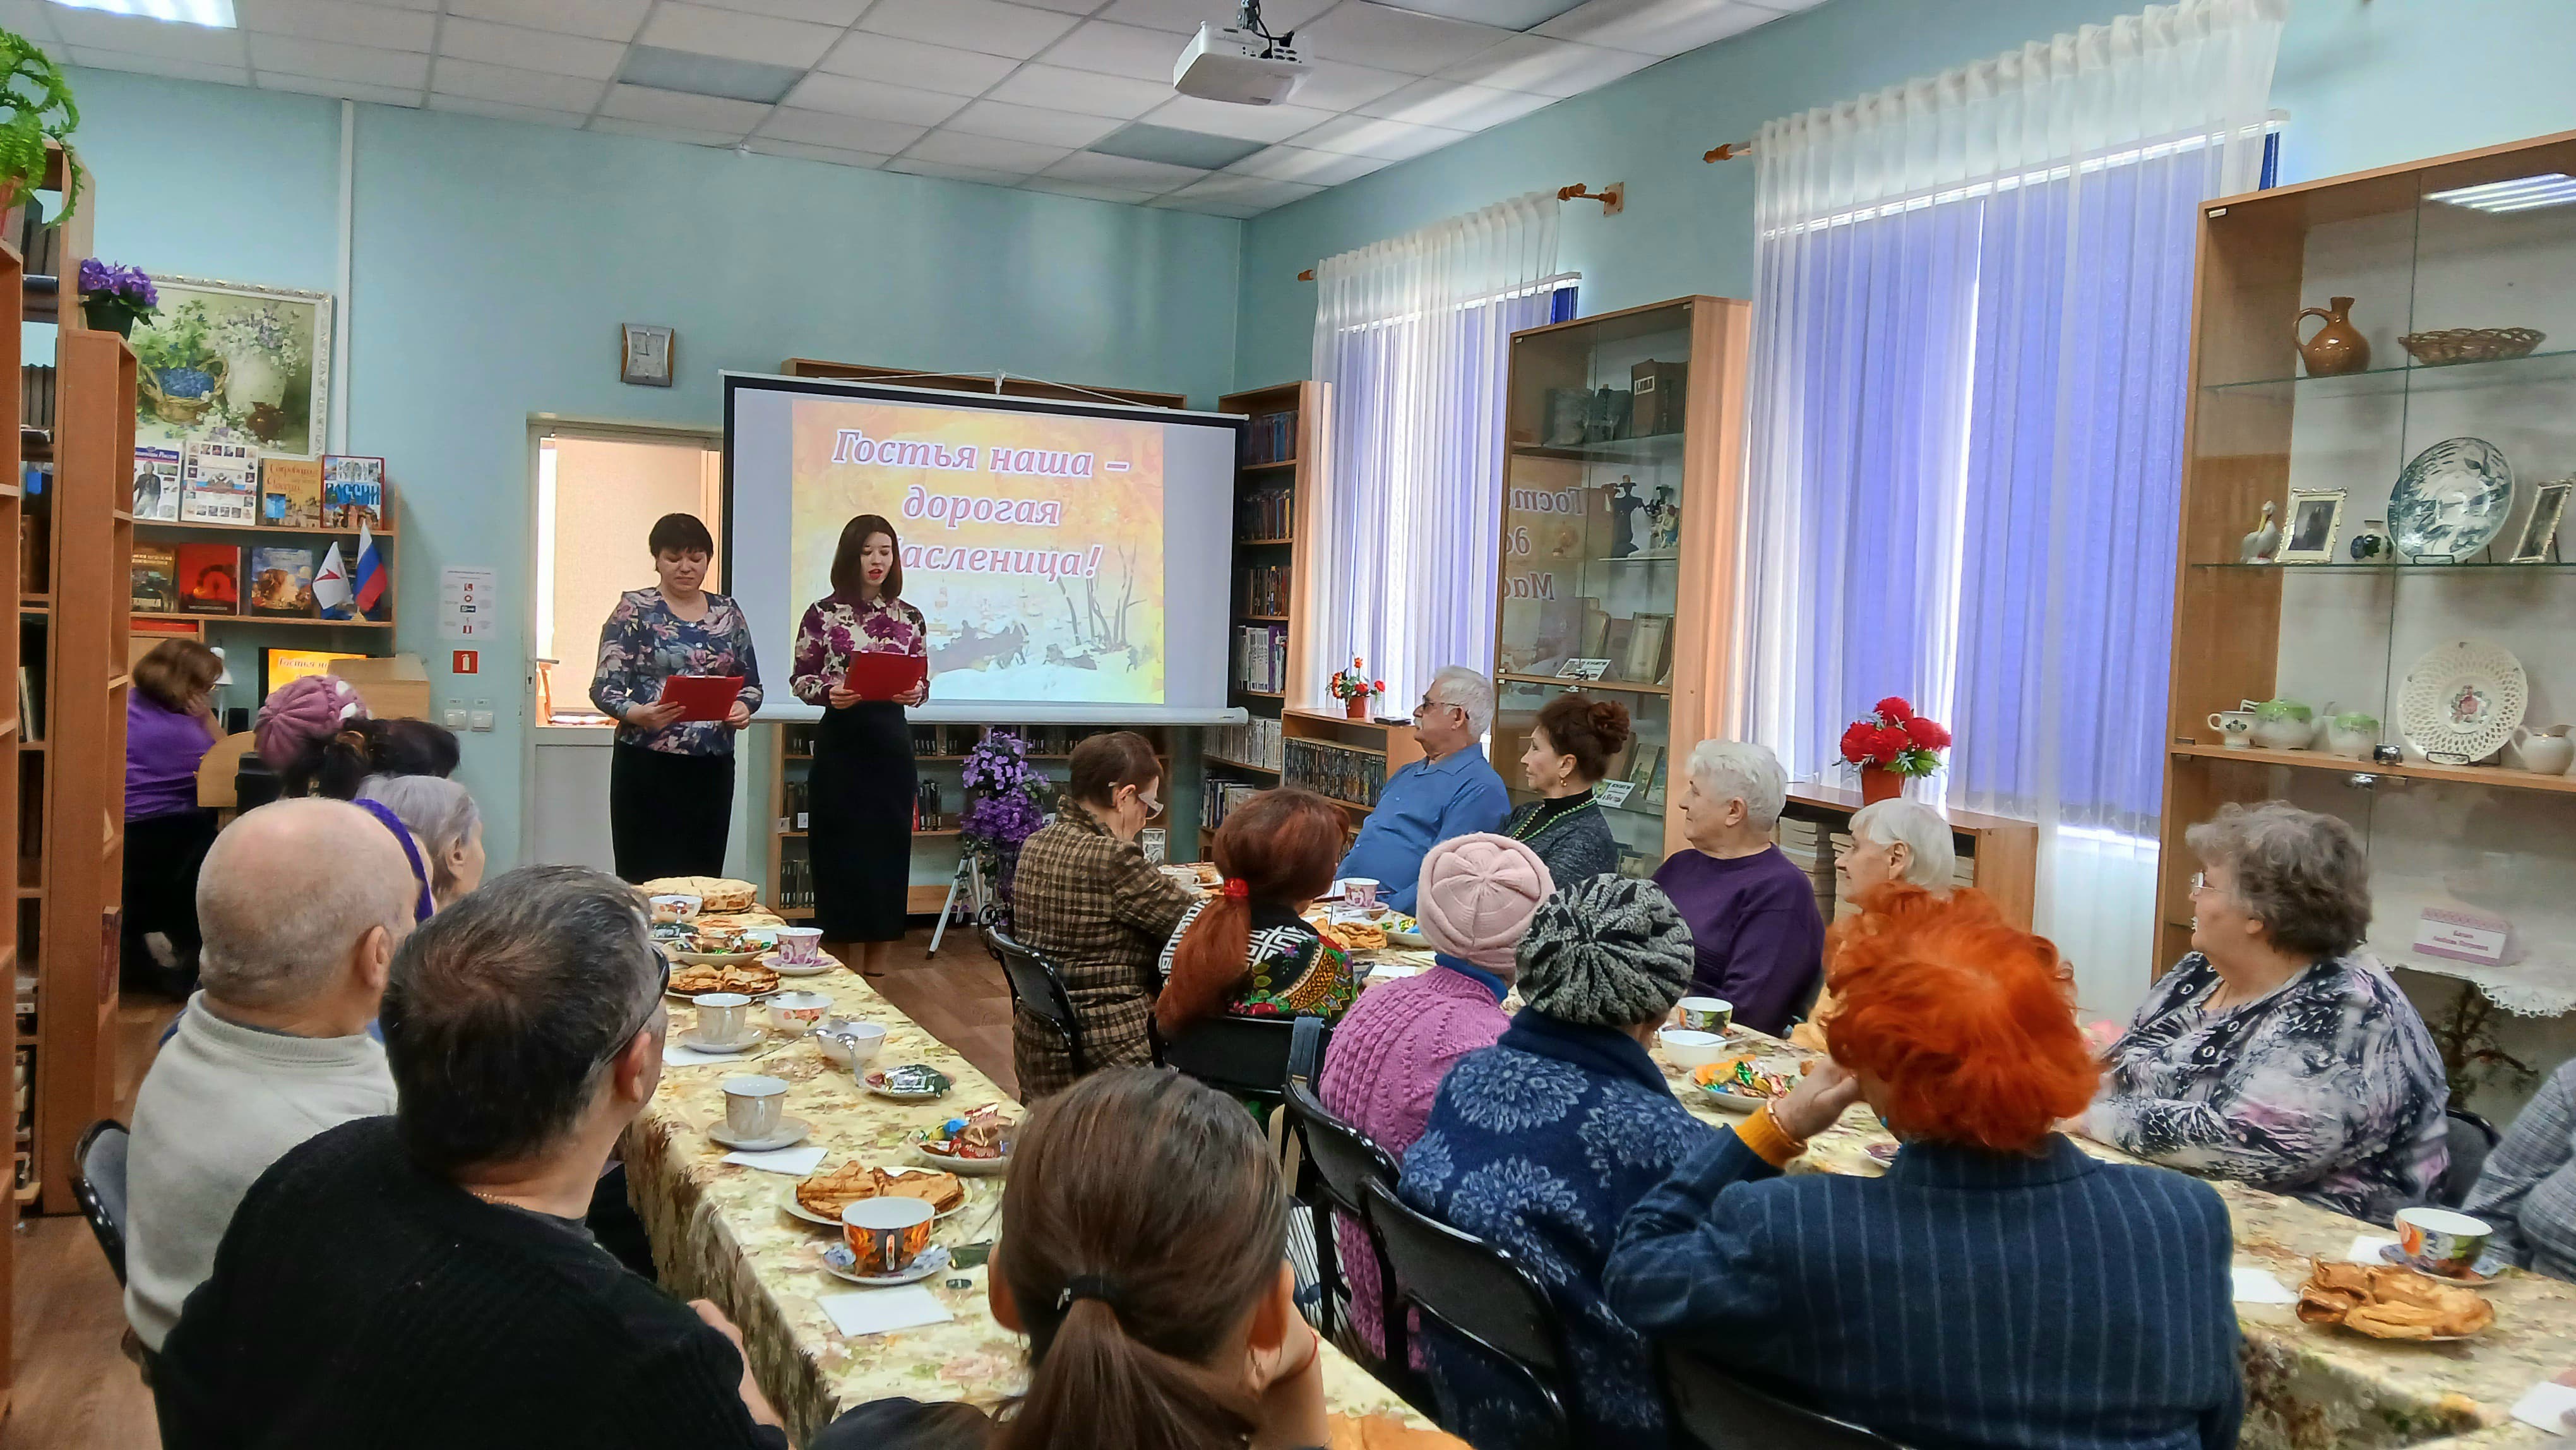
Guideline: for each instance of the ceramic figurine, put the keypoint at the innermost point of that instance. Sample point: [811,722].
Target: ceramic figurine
[2338,347]
[2259,546]
[1623,518]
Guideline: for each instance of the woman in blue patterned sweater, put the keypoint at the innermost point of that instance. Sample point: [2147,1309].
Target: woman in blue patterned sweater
[1540,1143]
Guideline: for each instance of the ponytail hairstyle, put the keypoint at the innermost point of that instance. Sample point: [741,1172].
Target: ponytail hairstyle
[1277,850]
[1145,1219]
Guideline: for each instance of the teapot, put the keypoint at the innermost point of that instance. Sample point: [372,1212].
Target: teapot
[2546,750]
[2284,725]
[2352,735]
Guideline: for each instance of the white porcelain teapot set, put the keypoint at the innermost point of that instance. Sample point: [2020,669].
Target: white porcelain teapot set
[2352,735]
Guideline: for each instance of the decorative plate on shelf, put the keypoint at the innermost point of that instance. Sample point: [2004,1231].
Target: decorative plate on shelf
[2451,501]
[2462,700]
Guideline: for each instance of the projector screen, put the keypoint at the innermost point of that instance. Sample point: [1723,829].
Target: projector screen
[1070,559]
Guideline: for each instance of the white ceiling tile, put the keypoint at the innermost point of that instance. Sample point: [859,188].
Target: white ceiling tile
[1087,190]
[1333,85]
[841,133]
[1547,67]
[772,146]
[838,13]
[159,65]
[1656,27]
[1119,50]
[273,80]
[1149,176]
[504,111]
[845,96]
[508,85]
[1087,92]
[1185,16]
[994,153]
[1317,168]
[871,57]
[1244,123]
[96,30]
[1458,107]
[599,19]
[986,25]
[428,5]
[1028,123]
[685,135]
[1240,211]
[737,36]
[27,18]
[340,21]
[913,167]
[1245,191]
[1388,39]
[572,55]
[679,108]
[1387,140]
[1069,7]
[321,60]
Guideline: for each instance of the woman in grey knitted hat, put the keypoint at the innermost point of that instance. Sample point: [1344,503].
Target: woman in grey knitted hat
[1543,1141]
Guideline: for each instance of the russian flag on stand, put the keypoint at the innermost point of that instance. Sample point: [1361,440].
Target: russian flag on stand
[370,572]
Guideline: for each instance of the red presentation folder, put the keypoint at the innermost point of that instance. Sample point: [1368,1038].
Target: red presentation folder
[881,676]
[702,697]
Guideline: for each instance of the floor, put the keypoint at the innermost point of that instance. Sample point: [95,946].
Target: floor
[74,1386]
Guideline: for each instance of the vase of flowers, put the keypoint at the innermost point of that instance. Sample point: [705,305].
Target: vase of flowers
[261,353]
[1005,804]
[114,298]
[1892,744]
[1353,688]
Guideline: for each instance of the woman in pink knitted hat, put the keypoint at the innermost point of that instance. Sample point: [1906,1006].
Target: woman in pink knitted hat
[1388,1055]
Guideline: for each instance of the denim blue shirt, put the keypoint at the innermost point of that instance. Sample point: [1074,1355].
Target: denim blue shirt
[1424,804]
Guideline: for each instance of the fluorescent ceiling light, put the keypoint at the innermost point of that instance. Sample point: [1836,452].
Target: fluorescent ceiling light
[215,13]
[707,75]
[2523,193]
[1139,141]
[1503,14]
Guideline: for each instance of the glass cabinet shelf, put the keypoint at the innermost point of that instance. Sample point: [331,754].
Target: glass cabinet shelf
[2400,570]
[1651,448]
[2532,370]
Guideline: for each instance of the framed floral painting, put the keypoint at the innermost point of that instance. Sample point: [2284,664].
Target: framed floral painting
[234,362]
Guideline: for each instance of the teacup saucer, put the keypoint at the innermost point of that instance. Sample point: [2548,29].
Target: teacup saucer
[837,1261]
[791,1131]
[750,1038]
[785,968]
[2479,1275]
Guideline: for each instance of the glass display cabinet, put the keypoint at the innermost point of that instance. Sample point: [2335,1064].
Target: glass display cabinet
[2372,606]
[1619,510]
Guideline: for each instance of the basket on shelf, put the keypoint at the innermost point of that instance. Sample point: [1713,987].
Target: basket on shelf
[2470,344]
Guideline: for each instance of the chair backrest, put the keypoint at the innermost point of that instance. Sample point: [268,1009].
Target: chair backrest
[2471,1138]
[1471,1288]
[1037,987]
[98,1186]
[1345,1159]
[1722,1412]
[1245,1056]
[1306,1051]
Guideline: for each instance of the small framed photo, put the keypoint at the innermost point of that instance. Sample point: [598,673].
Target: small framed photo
[645,356]
[2315,519]
[2540,532]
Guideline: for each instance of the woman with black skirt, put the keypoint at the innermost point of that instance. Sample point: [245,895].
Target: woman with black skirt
[670,781]
[863,781]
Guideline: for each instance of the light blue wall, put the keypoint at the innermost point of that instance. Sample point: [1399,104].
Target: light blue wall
[2367,83]
[494,262]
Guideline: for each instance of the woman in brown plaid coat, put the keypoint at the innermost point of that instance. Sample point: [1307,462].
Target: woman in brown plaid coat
[1085,899]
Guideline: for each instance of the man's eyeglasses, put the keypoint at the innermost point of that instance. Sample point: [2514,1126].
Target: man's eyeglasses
[1428,705]
[618,1044]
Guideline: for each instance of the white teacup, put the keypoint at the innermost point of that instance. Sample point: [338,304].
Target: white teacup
[800,945]
[2236,726]
[1688,1048]
[755,1104]
[1706,1014]
[1359,893]
[2439,1241]
[674,907]
[797,1013]
[722,1016]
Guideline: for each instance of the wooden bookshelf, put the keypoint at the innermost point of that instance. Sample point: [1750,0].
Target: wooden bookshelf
[23,1025]
[246,537]
[1258,546]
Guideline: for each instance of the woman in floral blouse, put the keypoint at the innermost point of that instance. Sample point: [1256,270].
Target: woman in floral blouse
[2279,1052]
[1247,951]
[670,782]
[863,780]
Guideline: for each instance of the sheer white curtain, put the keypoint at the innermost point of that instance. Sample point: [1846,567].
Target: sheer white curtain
[1414,335]
[1972,330]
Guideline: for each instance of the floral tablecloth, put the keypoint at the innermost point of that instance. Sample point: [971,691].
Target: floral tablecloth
[718,1232]
[2308,1387]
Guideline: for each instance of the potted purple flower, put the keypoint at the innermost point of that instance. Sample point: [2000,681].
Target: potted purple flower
[1005,803]
[115,297]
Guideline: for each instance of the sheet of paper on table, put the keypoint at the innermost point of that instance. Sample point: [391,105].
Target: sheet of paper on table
[795,1162]
[2544,1405]
[2260,1286]
[881,1311]
[2365,1248]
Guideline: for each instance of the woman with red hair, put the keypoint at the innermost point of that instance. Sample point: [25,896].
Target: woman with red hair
[1998,1286]
[1246,950]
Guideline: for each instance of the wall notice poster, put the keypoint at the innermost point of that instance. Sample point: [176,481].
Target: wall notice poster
[468,601]
[1032,544]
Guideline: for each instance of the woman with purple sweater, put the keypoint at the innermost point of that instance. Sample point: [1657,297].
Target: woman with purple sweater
[169,726]
[1390,1051]
[1756,935]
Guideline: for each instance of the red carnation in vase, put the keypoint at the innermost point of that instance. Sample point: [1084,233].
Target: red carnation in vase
[1856,741]
[1927,734]
[1894,710]
[1886,742]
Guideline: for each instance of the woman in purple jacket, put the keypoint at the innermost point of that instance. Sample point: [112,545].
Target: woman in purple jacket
[169,726]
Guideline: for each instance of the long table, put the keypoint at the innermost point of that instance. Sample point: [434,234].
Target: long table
[719,1233]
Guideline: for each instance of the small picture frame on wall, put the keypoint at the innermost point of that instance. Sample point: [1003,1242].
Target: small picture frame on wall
[644,355]
[2316,517]
[2540,532]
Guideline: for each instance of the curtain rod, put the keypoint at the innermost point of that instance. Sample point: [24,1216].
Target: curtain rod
[1613,199]
[1732,150]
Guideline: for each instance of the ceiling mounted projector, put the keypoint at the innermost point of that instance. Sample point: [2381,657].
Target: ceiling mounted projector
[1241,64]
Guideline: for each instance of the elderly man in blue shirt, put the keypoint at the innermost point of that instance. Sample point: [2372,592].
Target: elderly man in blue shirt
[1451,791]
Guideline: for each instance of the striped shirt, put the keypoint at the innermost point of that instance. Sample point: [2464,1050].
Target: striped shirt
[1966,1299]
[2527,1191]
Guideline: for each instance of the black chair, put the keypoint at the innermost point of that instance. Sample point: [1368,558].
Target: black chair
[1337,1162]
[1243,1056]
[2472,1138]
[1717,1411]
[1477,1292]
[98,1186]
[1037,987]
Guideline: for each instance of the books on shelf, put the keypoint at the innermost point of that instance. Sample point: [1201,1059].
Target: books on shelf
[156,579]
[1265,589]
[1333,770]
[1272,437]
[31,701]
[1254,742]
[353,487]
[281,583]
[36,396]
[1649,648]
[290,492]
[156,484]
[1265,514]
[1261,658]
[219,483]
[1217,797]
[209,579]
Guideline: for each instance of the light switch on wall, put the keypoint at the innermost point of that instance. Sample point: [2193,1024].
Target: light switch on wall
[453,715]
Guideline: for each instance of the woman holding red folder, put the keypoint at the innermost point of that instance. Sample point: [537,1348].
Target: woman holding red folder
[863,780]
[670,776]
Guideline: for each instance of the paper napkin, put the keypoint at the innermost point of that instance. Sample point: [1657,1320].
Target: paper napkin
[2258,1286]
[797,1162]
[2543,1405]
[2365,1248]
[877,1311]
